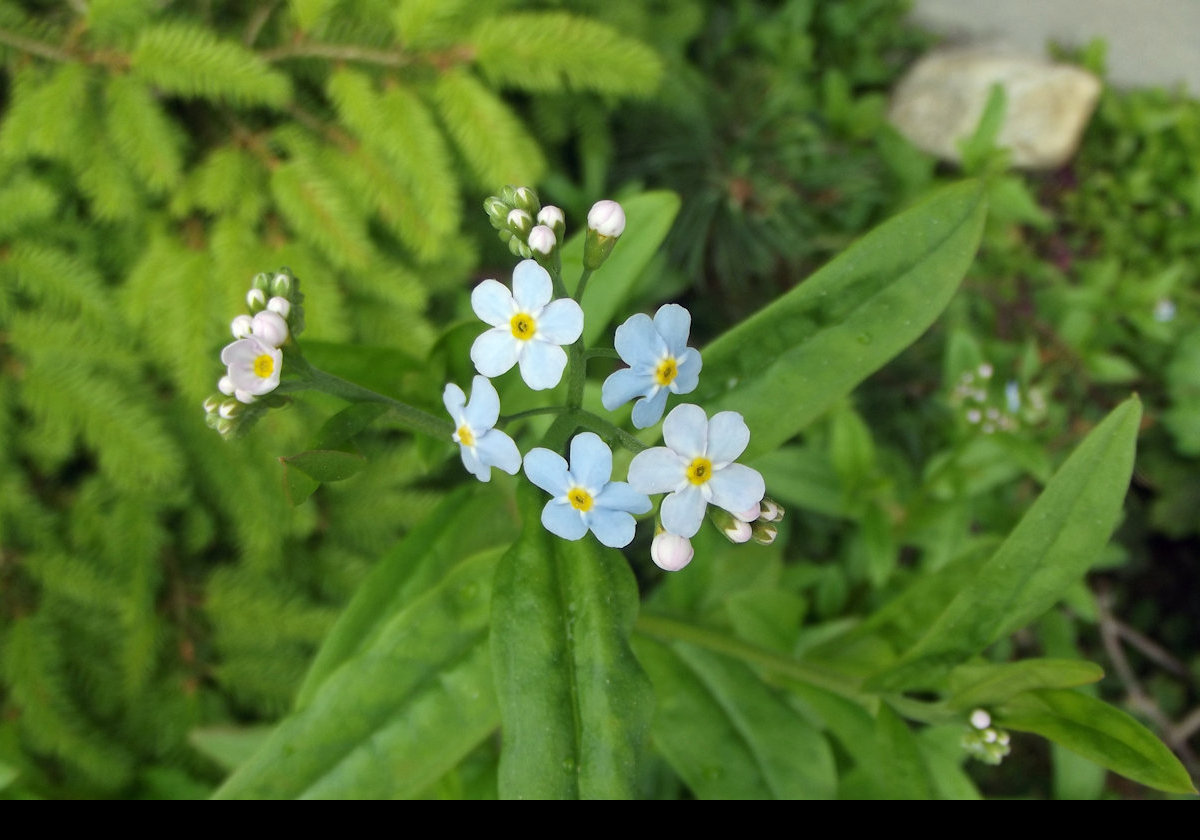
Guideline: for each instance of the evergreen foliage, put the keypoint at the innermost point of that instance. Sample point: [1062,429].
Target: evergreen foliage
[154,157]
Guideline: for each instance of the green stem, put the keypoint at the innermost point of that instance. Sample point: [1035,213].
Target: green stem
[413,418]
[671,630]
[602,353]
[608,431]
[576,373]
[583,281]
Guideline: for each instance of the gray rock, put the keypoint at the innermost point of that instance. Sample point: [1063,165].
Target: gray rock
[940,100]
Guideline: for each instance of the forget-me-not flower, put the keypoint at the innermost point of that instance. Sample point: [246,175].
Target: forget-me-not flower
[527,327]
[583,497]
[697,468]
[253,367]
[482,446]
[659,362]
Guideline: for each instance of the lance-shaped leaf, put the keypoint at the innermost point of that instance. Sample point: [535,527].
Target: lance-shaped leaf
[395,716]
[575,704]
[1051,548]
[786,365]
[994,682]
[1099,732]
[729,735]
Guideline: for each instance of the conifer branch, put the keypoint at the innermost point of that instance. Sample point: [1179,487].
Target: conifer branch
[38,48]
[398,58]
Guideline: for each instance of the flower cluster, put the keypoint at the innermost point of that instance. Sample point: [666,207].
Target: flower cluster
[532,329]
[984,741]
[254,360]
[989,411]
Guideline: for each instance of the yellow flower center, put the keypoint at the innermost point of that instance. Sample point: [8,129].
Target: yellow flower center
[523,326]
[264,366]
[699,471]
[666,372]
[580,499]
[465,436]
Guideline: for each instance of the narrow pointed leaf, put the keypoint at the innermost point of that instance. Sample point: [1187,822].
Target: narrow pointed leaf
[326,464]
[1051,548]
[574,702]
[1099,732]
[809,348]
[992,683]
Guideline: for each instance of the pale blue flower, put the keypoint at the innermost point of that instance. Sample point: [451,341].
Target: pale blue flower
[583,497]
[697,468]
[482,446]
[659,362]
[527,327]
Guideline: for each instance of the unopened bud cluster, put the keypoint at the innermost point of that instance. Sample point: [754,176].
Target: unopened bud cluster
[523,224]
[254,360]
[757,523]
[991,409]
[984,741]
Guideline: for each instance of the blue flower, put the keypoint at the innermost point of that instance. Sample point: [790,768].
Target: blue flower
[527,327]
[584,498]
[482,446]
[696,468]
[659,361]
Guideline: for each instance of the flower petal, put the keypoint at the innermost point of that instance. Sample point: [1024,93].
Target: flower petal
[736,488]
[686,431]
[728,437]
[591,461]
[483,410]
[688,376]
[542,364]
[648,411]
[562,520]
[493,303]
[622,386]
[474,465]
[657,470]
[614,528]
[683,511]
[454,399]
[548,470]
[498,450]
[673,323]
[638,343]
[532,288]
[617,495]
[495,352]
[561,322]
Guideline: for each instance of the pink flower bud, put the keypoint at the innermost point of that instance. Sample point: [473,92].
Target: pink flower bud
[607,218]
[542,240]
[270,328]
[671,552]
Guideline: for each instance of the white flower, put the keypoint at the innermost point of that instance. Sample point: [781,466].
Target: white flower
[542,240]
[253,367]
[269,327]
[482,447]
[671,552]
[607,218]
[696,468]
[527,327]
[584,499]
[659,362]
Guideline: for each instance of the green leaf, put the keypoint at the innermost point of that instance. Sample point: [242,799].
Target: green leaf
[326,464]
[297,485]
[649,217]
[574,702]
[396,715]
[810,347]
[729,735]
[347,423]
[899,769]
[8,775]
[987,684]
[230,746]
[467,521]
[1099,732]
[1052,546]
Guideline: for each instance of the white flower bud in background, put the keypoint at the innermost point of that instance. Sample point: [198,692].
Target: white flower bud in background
[212,404]
[229,409]
[281,305]
[241,326]
[256,299]
[282,285]
[553,218]
[225,386]
[520,222]
[764,533]
[1164,311]
[525,199]
[244,397]
[737,531]
[607,218]
[770,510]
[542,240]
[270,328]
[671,552]
[980,719]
